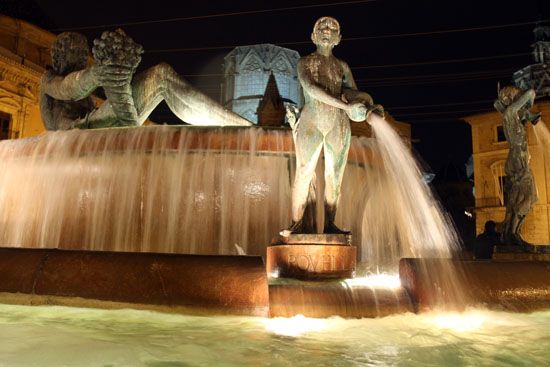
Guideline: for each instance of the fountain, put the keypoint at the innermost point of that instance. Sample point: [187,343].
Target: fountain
[178,218]
[190,182]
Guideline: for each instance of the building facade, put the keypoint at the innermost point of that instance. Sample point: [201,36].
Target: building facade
[490,150]
[24,55]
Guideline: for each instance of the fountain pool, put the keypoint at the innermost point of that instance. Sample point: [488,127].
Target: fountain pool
[59,336]
[204,191]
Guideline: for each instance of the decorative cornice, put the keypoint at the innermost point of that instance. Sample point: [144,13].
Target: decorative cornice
[35,73]
[19,75]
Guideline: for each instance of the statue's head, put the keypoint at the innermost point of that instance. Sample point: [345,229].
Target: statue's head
[326,32]
[509,94]
[69,53]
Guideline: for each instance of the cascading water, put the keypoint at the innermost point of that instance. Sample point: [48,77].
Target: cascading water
[203,191]
[400,217]
[543,136]
[160,189]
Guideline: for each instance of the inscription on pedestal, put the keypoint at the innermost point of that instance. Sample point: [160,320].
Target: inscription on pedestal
[311,261]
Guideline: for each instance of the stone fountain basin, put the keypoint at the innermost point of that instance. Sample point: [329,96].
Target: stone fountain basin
[238,285]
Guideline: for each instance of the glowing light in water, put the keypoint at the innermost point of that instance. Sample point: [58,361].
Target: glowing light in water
[388,281]
[460,322]
[50,337]
[294,326]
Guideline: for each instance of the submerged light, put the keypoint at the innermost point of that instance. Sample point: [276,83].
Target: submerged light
[294,326]
[459,322]
[388,281]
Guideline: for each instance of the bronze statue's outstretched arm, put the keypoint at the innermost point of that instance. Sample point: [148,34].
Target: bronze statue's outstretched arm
[526,98]
[356,111]
[353,95]
[72,87]
[349,90]
[521,106]
[318,93]
[349,82]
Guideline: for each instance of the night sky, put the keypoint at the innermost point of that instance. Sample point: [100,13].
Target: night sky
[428,62]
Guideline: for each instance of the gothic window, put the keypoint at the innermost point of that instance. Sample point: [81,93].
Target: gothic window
[281,65]
[499,177]
[252,85]
[5,124]
[251,63]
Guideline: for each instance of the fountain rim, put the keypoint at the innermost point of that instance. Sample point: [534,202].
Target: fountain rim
[276,140]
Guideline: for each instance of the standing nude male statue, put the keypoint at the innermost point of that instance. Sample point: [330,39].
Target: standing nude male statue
[65,93]
[514,104]
[331,99]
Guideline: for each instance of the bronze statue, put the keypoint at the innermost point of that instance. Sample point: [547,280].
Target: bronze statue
[66,89]
[331,99]
[514,104]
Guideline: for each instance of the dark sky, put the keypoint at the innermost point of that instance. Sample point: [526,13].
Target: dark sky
[428,62]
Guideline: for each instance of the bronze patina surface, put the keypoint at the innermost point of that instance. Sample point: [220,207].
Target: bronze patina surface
[331,100]
[66,89]
[514,104]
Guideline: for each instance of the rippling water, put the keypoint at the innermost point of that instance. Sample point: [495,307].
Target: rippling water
[59,336]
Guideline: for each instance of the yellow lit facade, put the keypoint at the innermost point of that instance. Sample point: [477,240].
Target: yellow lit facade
[24,55]
[490,150]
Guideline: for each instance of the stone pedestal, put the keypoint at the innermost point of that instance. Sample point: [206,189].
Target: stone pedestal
[527,252]
[311,256]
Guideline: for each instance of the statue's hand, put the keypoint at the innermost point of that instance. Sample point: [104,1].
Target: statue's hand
[377,109]
[292,113]
[499,106]
[532,117]
[357,111]
[112,75]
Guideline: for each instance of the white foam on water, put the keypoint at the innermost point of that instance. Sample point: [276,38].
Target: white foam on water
[60,336]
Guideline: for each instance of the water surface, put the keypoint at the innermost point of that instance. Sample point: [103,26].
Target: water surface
[61,336]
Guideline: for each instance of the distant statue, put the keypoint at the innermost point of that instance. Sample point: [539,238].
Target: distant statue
[514,104]
[331,100]
[66,89]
